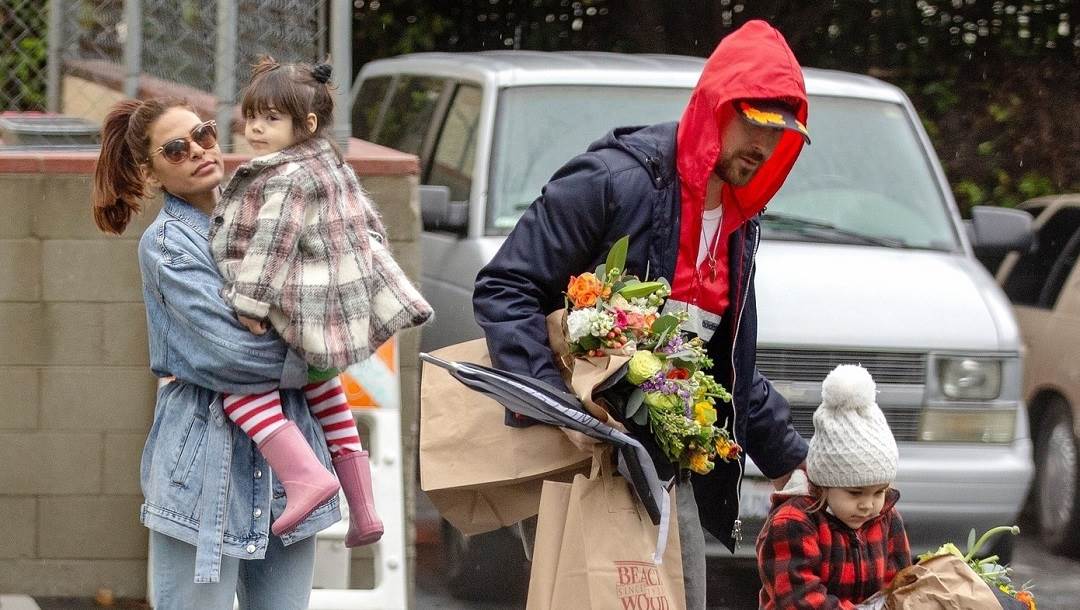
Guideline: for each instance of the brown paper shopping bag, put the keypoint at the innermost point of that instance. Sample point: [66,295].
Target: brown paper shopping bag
[606,557]
[940,583]
[480,473]
[554,501]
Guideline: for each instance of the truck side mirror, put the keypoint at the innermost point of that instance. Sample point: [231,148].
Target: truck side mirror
[997,231]
[438,213]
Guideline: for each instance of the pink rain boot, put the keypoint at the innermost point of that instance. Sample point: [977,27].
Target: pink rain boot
[354,471]
[307,483]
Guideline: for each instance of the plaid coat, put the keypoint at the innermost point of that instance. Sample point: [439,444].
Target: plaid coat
[812,560]
[300,244]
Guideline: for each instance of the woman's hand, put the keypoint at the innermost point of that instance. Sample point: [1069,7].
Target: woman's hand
[257,327]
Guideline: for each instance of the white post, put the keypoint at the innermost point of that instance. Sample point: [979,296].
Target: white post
[132,46]
[55,55]
[341,56]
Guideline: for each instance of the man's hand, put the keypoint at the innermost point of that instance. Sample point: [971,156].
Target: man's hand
[257,327]
[779,483]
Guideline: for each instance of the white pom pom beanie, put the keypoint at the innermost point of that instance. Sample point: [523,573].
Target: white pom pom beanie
[852,444]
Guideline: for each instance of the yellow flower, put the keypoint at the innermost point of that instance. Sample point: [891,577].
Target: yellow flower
[643,365]
[704,413]
[700,464]
[726,450]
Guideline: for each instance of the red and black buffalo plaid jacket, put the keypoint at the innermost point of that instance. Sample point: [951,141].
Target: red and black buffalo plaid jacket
[812,560]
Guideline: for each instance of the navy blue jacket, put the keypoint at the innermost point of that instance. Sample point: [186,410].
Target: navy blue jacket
[626,184]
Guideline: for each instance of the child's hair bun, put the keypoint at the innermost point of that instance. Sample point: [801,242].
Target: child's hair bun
[848,387]
[322,72]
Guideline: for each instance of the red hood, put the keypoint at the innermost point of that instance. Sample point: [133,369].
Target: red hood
[754,62]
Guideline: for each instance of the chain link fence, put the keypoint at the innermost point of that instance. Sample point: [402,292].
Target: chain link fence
[77,57]
[22,55]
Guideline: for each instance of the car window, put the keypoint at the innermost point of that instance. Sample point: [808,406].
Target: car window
[1059,273]
[1028,283]
[455,151]
[866,178]
[369,103]
[407,119]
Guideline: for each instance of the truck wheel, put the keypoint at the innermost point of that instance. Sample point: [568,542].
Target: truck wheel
[485,567]
[1057,493]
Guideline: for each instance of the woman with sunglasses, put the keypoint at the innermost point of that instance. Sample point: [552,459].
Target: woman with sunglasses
[209,496]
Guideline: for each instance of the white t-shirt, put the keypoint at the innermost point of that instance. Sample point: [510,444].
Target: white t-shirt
[710,224]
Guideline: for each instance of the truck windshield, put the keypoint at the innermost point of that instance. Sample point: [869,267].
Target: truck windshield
[866,179]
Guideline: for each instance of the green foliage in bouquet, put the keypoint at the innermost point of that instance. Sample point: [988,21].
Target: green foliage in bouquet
[611,312]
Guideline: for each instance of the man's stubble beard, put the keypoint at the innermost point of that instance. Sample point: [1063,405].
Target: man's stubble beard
[727,173]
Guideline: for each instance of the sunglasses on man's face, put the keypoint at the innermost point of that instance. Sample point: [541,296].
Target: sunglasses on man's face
[179,150]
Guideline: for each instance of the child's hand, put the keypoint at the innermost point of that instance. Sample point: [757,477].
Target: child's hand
[257,327]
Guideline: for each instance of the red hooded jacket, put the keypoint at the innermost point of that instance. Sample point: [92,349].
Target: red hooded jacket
[754,62]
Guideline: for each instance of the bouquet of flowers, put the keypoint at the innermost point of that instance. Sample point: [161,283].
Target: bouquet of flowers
[948,574]
[612,313]
[997,576]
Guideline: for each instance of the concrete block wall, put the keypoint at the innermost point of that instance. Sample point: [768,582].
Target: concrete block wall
[76,396]
[76,393]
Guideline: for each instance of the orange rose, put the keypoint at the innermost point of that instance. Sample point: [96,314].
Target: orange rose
[585,289]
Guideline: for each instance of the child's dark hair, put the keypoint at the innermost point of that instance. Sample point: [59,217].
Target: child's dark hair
[125,142]
[294,89]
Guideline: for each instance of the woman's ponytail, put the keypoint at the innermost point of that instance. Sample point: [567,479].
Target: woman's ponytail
[118,180]
[119,184]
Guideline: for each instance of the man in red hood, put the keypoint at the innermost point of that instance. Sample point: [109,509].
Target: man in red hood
[687,194]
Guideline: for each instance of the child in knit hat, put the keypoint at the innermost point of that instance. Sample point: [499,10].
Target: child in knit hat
[835,540]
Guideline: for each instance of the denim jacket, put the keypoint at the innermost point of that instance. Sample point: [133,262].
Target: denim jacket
[203,480]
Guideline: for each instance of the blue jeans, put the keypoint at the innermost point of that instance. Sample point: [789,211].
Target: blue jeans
[281,581]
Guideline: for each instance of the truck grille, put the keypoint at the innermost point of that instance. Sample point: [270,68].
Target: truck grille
[814,364]
[810,365]
[904,421]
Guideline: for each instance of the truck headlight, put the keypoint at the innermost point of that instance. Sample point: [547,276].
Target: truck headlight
[968,425]
[969,378]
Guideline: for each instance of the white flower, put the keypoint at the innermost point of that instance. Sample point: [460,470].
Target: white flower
[584,322]
[641,306]
[577,324]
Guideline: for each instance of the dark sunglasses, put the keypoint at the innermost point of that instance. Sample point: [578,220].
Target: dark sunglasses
[179,150]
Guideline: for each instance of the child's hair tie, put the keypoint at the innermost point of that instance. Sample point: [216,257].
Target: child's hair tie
[321,73]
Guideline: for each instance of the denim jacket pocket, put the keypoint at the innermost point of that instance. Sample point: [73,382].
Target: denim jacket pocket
[193,442]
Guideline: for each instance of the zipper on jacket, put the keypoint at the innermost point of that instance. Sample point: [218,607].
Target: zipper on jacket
[736,530]
[860,585]
[654,166]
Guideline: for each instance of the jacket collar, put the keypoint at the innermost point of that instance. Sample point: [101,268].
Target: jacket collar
[187,214]
[304,150]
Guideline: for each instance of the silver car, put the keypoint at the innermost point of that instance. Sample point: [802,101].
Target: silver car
[865,257]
